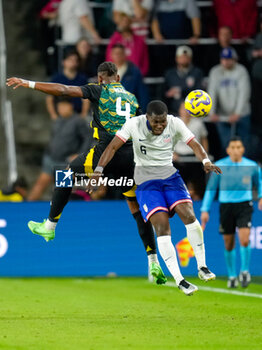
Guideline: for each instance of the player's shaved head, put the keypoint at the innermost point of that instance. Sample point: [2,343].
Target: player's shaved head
[156,107]
[107,73]
[107,68]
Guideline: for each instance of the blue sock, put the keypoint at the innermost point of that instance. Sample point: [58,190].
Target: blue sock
[245,253]
[230,257]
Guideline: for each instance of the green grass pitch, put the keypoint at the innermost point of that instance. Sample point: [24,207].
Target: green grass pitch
[125,313]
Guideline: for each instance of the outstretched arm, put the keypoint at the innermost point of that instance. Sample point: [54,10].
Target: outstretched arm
[107,155]
[109,152]
[48,88]
[201,154]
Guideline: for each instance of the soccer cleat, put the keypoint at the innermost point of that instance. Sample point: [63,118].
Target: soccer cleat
[244,279]
[205,274]
[157,273]
[38,228]
[187,288]
[232,282]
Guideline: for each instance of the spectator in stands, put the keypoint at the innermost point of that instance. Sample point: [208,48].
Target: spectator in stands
[170,20]
[17,192]
[211,55]
[135,46]
[49,34]
[50,9]
[130,75]
[256,74]
[239,15]
[179,81]
[138,10]
[229,87]
[69,76]
[184,158]
[76,20]
[88,62]
[70,136]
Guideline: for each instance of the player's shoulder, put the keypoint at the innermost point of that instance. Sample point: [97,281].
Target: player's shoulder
[93,86]
[139,119]
[174,120]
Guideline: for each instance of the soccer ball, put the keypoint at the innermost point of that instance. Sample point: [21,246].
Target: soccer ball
[198,103]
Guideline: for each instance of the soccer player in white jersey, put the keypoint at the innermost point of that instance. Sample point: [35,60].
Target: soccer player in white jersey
[161,192]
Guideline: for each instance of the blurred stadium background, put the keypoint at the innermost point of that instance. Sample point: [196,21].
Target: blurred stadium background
[96,236]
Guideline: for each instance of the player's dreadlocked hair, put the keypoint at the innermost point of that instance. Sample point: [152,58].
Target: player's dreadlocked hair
[156,107]
[108,68]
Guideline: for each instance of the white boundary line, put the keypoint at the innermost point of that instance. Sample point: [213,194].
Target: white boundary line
[221,290]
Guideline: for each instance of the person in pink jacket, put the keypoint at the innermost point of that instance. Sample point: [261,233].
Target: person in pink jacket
[135,46]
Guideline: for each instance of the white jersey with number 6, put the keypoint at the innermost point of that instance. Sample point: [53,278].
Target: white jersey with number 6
[153,154]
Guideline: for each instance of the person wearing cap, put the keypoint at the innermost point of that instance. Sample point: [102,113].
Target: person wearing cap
[183,78]
[256,77]
[211,55]
[230,89]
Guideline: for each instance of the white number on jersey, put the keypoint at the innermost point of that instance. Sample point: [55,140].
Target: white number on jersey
[123,113]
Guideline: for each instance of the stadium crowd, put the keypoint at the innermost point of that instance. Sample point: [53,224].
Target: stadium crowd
[135,35]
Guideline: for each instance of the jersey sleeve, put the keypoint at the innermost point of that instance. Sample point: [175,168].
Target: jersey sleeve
[91,92]
[182,132]
[125,132]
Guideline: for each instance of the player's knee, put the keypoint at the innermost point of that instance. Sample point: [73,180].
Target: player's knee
[162,229]
[189,218]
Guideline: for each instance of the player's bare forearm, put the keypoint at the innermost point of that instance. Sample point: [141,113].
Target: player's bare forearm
[201,154]
[110,151]
[107,155]
[48,88]
[199,151]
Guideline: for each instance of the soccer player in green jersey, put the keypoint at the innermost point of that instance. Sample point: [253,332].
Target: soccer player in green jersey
[112,106]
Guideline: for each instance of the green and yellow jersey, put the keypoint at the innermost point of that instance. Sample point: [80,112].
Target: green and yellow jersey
[112,106]
[10,197]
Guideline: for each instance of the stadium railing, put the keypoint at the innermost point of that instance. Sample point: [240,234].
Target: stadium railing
[6,107]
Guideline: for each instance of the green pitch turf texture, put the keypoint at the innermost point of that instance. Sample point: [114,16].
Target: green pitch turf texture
[85,314]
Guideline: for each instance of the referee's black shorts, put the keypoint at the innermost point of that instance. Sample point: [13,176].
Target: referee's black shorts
[121,166]
[234,215]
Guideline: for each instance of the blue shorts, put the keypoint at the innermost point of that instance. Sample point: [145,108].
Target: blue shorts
[162,195]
